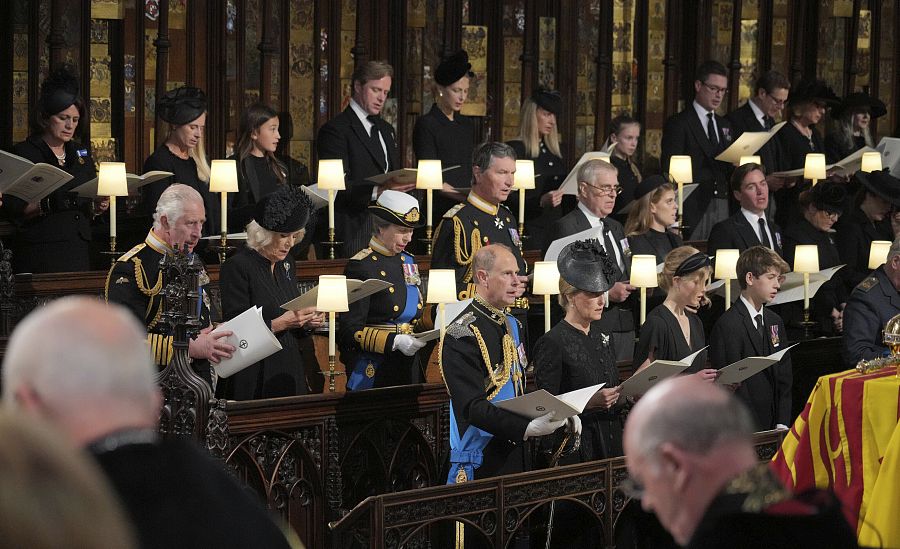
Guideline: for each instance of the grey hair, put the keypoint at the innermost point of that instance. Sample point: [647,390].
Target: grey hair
[171,203]
[588,171]
[258,237]
[695,425]
[98,354]
[485,257]
[894,250]
[485,153]
[379,224]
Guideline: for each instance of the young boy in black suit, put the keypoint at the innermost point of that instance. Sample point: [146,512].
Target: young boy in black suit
[747,328]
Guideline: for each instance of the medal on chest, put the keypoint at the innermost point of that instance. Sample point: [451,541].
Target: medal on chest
[773,335]
[498,222]
[411,274]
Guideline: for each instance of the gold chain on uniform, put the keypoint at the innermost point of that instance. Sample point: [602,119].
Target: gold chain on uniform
[460,242]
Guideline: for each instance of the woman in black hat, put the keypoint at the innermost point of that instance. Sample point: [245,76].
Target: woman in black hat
[444,134]
[853,117]
[376,334]
[262,274]
[869,219]
[672,330]
[184,152]
[54,234]
[821,207]
[538,140]
[654,210]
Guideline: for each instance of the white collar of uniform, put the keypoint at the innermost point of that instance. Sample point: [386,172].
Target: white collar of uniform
[157,243]
[361,114]
[482,204]
[752,218]
[757,112]
[753,312]
[379,247]
[592,218]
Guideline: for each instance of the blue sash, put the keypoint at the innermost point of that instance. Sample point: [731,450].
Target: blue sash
[359,379]
[466,450]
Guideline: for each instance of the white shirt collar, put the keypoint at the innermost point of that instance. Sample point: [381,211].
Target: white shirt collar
[760,116]
[593,219]
[702,112]
[362,114]
[753,312]
[752,217]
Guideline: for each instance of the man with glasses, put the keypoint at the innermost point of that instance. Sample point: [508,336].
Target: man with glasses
[702,134]
[689,451]
[598,186]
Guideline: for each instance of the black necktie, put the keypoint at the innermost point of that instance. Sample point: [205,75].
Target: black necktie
[768,122]
[761,328]
[763,235]
[375,136]
[711,129]
[610,247]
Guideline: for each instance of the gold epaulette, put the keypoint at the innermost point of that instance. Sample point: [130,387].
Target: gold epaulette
[867,284]
[362,254]
[127,256]
[454,210]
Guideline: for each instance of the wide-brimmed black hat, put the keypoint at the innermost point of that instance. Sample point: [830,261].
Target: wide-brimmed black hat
[59,91]
[829,196]
[453,68]
[585,265]
[813,90]
[284,211]
[648,185]
[181,105]
[398,208]
[857,101]
[881,183]
[549,100]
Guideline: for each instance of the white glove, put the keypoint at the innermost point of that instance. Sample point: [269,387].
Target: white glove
[573,425]
[407,344]
[543,425]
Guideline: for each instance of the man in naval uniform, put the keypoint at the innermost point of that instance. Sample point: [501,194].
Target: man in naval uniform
[375,335]
[136,280]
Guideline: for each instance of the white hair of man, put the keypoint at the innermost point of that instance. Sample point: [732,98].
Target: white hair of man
[894,250]
[588,171]
[94,376]
[171,203]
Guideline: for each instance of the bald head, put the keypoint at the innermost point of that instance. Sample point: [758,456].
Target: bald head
[84,365]
[495,271]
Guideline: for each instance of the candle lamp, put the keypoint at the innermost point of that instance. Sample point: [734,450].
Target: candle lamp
[871,162]
[546,283]
[332,299]
[749,160]
[814,168]
[643,276]
[681,173]
[442,290]
[223,179]
[806,261]
[112,182]
[429,177]
[523,181]
[726,269]
[878,252]
[331,178]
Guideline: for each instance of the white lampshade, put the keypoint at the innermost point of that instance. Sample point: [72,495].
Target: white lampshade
[871,162]
[680,169]
[223,176]
[726,263]
[441,286]
[546,278]
[878,252]
[806,258]
[815,166]
[749,160]
[332,295]
[429,175]
[524,176]
[111,181]
[331,175]
[643,271]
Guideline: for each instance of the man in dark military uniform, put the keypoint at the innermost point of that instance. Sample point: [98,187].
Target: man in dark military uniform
[872,303]
[689,451]
[135,280]
[481,220]
[375,335]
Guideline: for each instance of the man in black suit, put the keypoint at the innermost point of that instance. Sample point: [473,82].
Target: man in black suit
[598,185]
[368,146]
[702,134]
[750,226]
[94,381]
[759,114]
[749,329]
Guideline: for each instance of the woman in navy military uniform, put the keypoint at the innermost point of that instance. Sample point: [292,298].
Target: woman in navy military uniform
[375,336]
[263,275]
[54,234]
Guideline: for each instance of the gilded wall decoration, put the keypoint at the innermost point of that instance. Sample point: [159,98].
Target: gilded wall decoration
[475,42]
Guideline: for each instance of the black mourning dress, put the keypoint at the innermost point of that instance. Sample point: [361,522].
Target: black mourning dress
[629,177]
[662,335]
[549,173]
[185,172]
[794,148]
[566,359]
[247,280]
[654,243]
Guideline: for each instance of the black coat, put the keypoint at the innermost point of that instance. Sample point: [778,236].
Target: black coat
[629,177]
[736,232]
[566,359]
[618,317]
[655,243]
[185,172]
[661,335]
[178,496]
[743,119]
[345,137]
[247,279]
[871,304]
[768,393]
[549,173]
[794,148]
[58,239]
[362,328]
[854,236]
[683,134]
[436,137]
[835,150]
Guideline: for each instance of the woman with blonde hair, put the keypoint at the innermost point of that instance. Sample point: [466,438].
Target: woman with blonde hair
[672,331]
[538,140]
[854,131]
[654,209]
